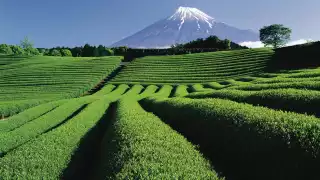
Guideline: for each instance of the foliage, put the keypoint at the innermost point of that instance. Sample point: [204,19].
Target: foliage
[30,81]
[109,52]
[181,91]
[27,116]
[66,52]
[164,92]
[87,50]
[17,50]
[302,101]
[21,135]
[55,52]
[31,51]
[199,88]
[140,146]
[60,139]
[195,68]
[28,48]
[231,133]
[211,42]
[148,91]
[276,35]
[5,49]
[60,135]
[120,51]
[297,57]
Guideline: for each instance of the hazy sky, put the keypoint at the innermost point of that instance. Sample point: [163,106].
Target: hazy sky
[75,22]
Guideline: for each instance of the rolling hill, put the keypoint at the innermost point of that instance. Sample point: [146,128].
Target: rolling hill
[197,116]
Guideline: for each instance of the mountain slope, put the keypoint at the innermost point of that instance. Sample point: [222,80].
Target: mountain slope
[185,25]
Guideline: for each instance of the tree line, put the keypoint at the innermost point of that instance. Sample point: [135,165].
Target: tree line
[276,35]
[25,48]
[84,51]
[210,42]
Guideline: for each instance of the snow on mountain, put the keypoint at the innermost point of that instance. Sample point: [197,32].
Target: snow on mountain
[185,25]
[187,13]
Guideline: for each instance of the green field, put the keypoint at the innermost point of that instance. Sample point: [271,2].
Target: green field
[29,81]
[197,116]
[194,68]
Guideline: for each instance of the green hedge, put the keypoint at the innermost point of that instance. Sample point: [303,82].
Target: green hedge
[28,115]
[47,157]
[139,146]
[105,90]
[150,90]
[12,139]
[243,141]
[301,101]
[164,91]
[50,154]
[181,91]
[198,88]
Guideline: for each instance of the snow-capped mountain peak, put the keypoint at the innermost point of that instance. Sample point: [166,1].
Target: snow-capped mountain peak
[188,14]
[185,25]
[185,13]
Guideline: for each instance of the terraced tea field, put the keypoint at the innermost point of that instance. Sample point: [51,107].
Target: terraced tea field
[26,82]
[194,68]
[245,124]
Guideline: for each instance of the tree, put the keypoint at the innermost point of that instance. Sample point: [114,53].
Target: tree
[65,52]
[55,52]
[227,44]
[275,35]
[101,50]
[109,52]
[41,50]
[5,49]
[32,51]
[96,52]
[28,48]
[120,51]
[26,43]
[87,50]
[76,51]
[17,50]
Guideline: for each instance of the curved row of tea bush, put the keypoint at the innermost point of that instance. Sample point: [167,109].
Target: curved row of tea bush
[139,146]
[49,155]
[301,101]
[29,81]
[24,133]
[28,115]
[244,141]
[194,68]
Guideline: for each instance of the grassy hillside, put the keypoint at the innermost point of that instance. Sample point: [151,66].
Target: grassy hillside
[194,68]
[198,116]
[27,81]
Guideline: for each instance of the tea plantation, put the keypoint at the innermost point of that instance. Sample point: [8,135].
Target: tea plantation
[220,115]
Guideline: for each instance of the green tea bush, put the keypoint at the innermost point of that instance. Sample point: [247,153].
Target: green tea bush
[181,91]
[139,146]
[47,156]
[243,141]
[149,91]
[301,101]
[198,88]
[28,115]
[164,91]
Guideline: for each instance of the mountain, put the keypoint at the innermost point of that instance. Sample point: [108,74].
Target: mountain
[185,25]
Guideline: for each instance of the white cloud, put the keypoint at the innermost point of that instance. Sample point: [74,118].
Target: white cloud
[252,44]
[259,44]
[300,41]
